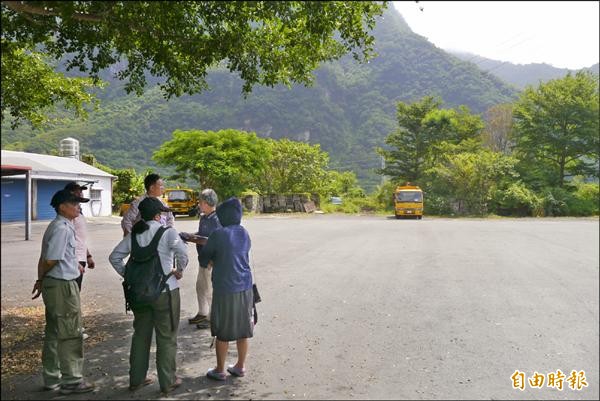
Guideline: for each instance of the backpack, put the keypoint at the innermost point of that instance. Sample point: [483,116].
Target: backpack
[145,279]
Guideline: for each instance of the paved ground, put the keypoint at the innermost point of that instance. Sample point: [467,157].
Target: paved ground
[367,308]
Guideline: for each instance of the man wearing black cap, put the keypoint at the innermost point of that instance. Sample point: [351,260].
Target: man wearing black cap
[84,257]
[162,315]
[62,355]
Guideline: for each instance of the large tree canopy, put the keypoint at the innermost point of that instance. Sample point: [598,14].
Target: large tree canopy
[557,127]
[422,125]
[228,161]
[265,42]
[293,167]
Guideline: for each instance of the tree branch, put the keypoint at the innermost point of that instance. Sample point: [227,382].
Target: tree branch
[26,9]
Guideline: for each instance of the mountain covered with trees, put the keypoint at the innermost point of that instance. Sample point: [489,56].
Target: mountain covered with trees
[349,110]
[519,75]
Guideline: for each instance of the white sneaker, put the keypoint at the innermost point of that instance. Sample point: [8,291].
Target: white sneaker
[85,336]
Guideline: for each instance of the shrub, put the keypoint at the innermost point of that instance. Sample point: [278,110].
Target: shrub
[585,200]
[556,201]
[436,204]
[383,197]
[347,206]
[517,200]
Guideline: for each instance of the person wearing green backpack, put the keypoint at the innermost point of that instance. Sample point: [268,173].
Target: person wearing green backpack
[161,315]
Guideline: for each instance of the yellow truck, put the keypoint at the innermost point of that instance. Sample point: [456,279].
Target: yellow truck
[408,201]
[181,201]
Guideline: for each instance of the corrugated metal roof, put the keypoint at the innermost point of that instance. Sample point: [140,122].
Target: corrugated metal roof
[46,164]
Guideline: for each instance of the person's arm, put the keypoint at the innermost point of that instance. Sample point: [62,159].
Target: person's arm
[179,252]
[196,239]
[44,266]
[170,219]
[118,255]
[207,253]
[90,260]
[130,217]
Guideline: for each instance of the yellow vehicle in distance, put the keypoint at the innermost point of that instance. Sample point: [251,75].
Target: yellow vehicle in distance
[408,201]
[181,201]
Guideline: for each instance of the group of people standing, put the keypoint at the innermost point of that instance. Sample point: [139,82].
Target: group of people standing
[223,286]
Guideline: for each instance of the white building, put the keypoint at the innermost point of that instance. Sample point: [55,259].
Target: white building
[49,174]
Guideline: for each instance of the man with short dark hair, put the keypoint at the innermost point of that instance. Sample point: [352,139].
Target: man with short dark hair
[62,355]
[155,187]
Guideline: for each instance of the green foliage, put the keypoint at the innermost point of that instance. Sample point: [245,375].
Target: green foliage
[348,111]
[437,204]
[469,179]
[557,128]
[409,144]
[452,125]
[517,200]
[344,184]
[265,42]
[556,201]
[422,126]
[586,199]
[383,196]
[30,88]
[292,167]
[128,185]
[347,206]
[228,161]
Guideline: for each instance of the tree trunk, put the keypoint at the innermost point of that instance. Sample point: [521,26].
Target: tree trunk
[561,163]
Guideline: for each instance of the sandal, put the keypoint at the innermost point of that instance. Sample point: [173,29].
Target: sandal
[216,375]
[173,386]
[147,381]
[237,372]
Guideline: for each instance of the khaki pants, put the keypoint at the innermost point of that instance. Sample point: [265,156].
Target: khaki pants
[204,290]
[62,355]
[155,317]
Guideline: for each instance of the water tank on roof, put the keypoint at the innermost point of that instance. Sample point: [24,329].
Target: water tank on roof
[69,147]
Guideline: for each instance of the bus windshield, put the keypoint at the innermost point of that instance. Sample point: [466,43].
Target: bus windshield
[409,196]
[177,196]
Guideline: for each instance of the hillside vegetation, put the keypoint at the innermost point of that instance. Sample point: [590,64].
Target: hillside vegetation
[349,110]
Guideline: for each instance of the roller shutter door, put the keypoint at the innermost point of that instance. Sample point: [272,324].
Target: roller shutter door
[45,190]
[13,200]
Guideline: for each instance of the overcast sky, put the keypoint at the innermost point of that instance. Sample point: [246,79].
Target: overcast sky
[564,34]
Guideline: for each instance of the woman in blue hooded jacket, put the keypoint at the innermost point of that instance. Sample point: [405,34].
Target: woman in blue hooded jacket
[231,310]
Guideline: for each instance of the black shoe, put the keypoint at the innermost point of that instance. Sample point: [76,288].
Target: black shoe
[203,325]
[197,319]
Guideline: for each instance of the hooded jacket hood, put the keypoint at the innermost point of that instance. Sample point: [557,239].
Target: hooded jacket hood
[230,212]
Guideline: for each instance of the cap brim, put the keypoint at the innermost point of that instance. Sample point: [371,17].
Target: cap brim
[80,200]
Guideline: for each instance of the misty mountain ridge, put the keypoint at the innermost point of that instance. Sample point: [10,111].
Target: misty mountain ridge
[519,75]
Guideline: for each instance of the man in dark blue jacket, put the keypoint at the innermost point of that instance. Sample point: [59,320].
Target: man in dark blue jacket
[208,223]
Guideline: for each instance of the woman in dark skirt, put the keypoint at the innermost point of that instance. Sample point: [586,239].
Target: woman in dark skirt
[231,317]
